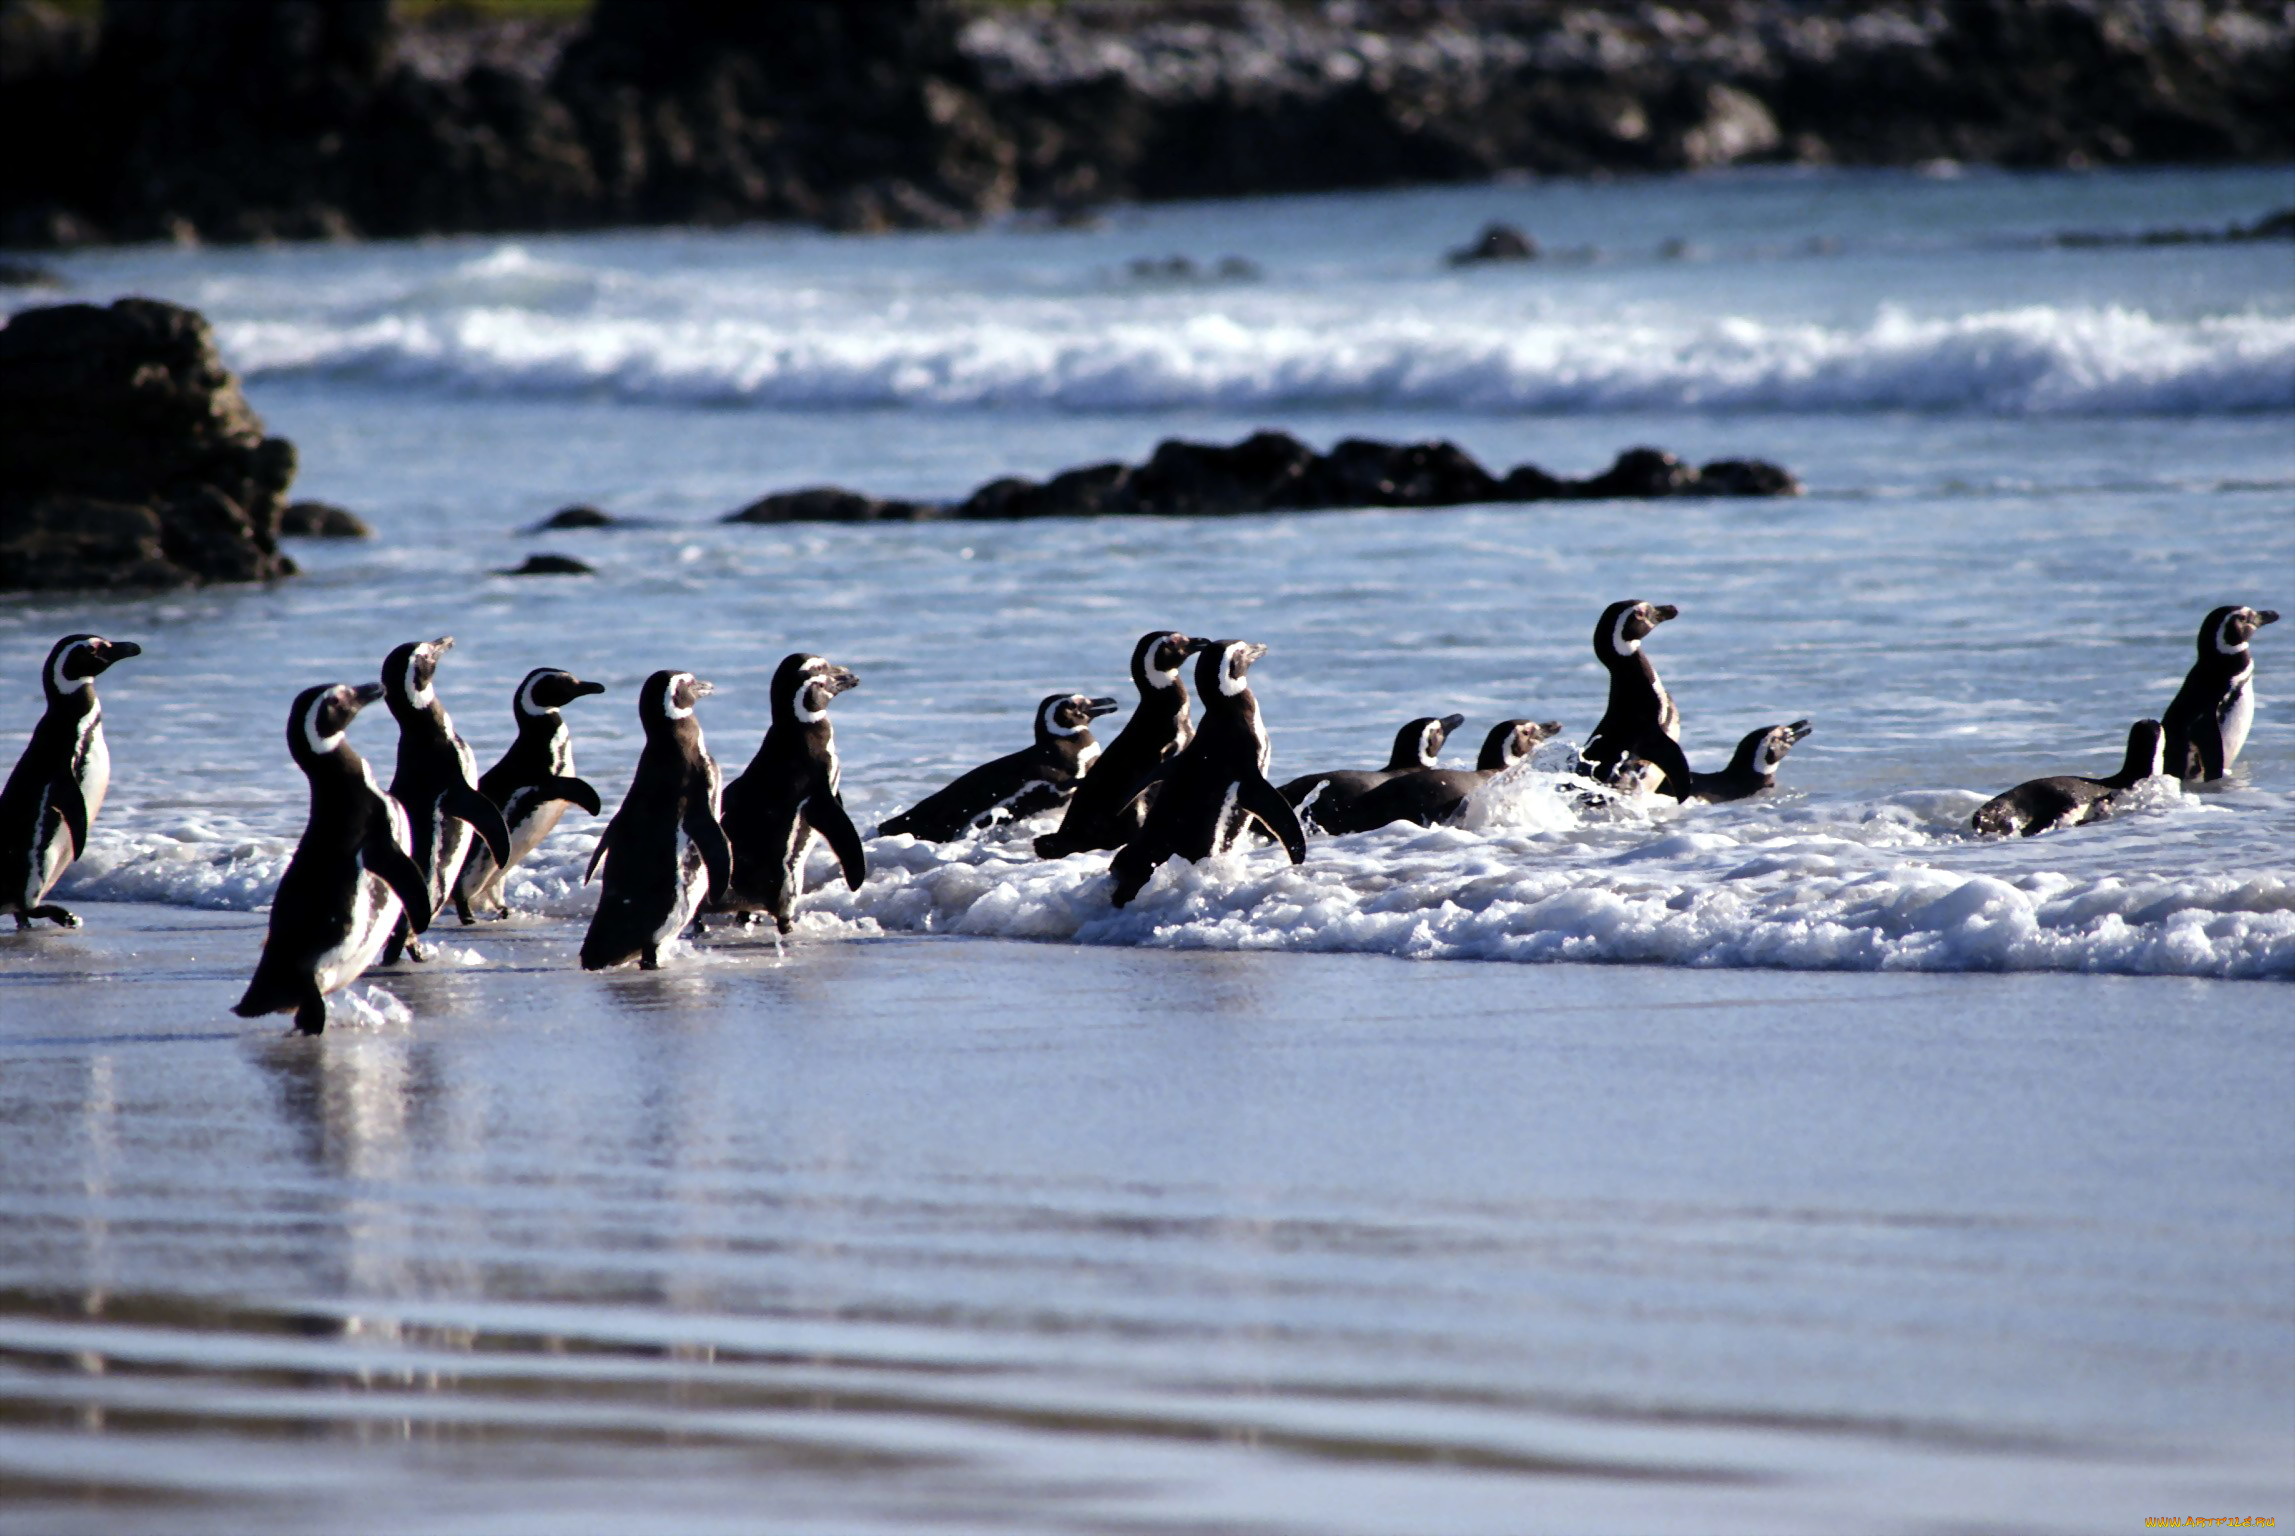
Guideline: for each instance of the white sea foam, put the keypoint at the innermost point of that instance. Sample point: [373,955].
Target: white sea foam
[1552,875]
[1297,353]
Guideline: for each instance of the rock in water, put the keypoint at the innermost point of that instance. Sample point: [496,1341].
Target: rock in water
[128,456]
[1497,242]
[322,520]
[550,565]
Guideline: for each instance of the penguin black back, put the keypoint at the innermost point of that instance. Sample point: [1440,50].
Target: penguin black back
[1208,791]
[59,783]
[1753,768]
[351,880]
[2041,805]
[665,851]
[2207,723]
[1106,808]
[788,793]
[1329,798]
[1641,720]
[1017,784]
[1433,796]
[531,786]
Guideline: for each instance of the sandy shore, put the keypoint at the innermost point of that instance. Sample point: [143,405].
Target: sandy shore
[978,1235]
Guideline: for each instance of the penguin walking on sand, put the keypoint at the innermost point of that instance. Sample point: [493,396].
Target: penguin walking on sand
[1105,812]
[2042,805]
[665,850]
[1329,799]
[1641,720]
[435,781]
[351,881]
[1433,796]
[1208,792]
[2207,724]
[58,785]
[1753,768]
[788,793]
[1018,784]
[531,786]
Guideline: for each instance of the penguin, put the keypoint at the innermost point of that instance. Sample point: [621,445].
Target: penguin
[2207,723]
[58,785]
[351,881]
[665,850]
[1432,796]
[1104,812]
[1641,720]
[2042,805]
[531,786]
[1018,784]
[788,793]
[1207,792]
[434,780]
[1753,768]
[1329,799]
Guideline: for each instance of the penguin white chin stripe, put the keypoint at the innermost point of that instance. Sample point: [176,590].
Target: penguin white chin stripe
[67,684]
[319,745]
[1618,641]
[1429,745]
[526,704]
[2223,640]
[1052,720]
[669,704]
[420,697]
[1229,683]
[808,712]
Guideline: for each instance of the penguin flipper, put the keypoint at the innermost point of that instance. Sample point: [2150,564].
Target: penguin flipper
[485,817]
[70,804]
[598,854]
[2208,740]
[572,791]
[386,858]
[827,814]
[716,852]
[1266,802]
[1663,750]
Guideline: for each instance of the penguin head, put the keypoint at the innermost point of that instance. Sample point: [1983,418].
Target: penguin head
[1762,751]
[1220,666]
[667,699]
[77,660]
[1064,716]
[1637,777]
[407,673]
[1157,658]
[2227,630]
[803,685]
[1419,743]
[2147,752]
[1622,626]
[320,716]
[547,689]
[1510,741]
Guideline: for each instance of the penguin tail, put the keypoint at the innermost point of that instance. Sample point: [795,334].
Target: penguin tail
[263,995]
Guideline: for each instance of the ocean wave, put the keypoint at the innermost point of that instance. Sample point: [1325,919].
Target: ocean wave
[2029,361]
[1543,876]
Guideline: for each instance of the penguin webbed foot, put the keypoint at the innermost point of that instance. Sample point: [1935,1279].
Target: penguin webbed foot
[311,1014]
[53,913]
[649,959]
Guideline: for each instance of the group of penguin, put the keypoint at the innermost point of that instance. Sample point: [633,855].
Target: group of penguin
[373,867]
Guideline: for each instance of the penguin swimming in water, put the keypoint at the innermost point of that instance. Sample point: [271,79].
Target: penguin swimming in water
[2042,805]
[58,785]
[531,786]
[1754,766]
[1641,720]
[1329,799]
[435,780]
[787,794]
[1209,791]
[351,879]
[2207,724]
[1019,783]
[665,850]
[1105,811]
[1433,796]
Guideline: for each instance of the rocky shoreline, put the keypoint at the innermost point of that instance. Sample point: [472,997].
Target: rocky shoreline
[246,120]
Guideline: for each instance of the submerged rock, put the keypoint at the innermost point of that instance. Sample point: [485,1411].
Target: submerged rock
[1497,242]
[550,565]
[128,455]
[322,520]
[575,517]
[1275,472]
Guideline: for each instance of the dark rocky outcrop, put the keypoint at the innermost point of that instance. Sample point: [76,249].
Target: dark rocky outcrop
[291,119]
[128,456]
[2272,226]
[1497,242]
[575,517]
[1275,472]
[322,520]
[550,565]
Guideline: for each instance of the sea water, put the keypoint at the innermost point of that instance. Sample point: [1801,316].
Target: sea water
[2031,469]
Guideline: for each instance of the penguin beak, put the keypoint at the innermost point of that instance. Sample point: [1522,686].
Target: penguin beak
[1547,729]
[367,693]
[120,650]
[1661,612]
[1451,723]
[702,690]
[1252,650]
[580,689]
[1196,647]
[1798,729]
[840,679]
[1095,708]
[2266,616]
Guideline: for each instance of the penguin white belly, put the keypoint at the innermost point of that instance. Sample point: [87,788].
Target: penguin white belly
[801,838]
[451,840]
[692,886]
[374,913]
[92,770]
[2235,719]
[1223,831]
[526,835]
